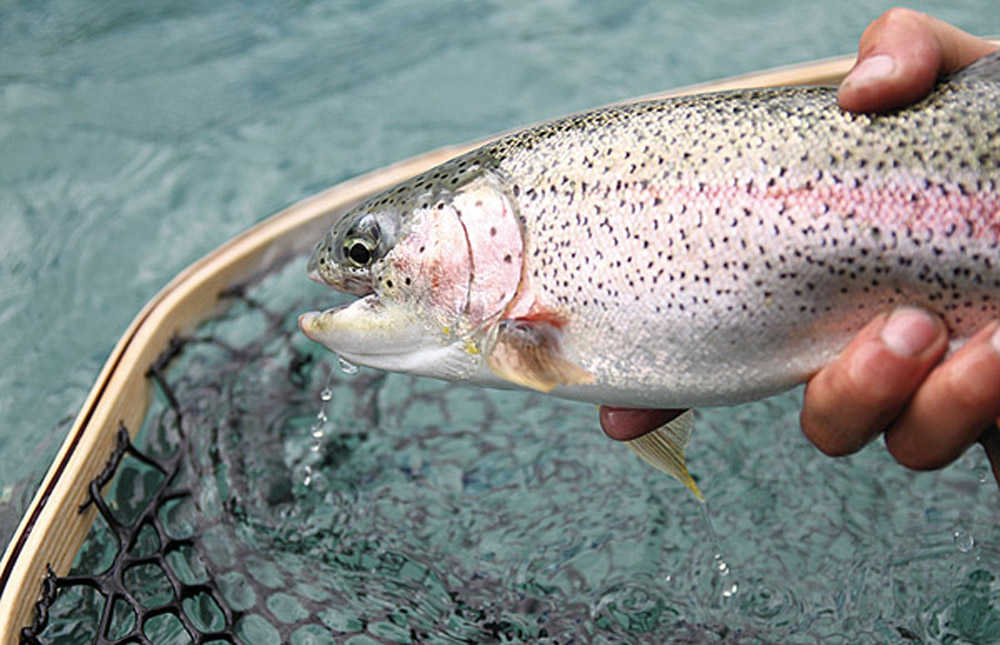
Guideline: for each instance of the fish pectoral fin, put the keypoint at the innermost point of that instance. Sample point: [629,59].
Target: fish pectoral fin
[528,353]
[663,449]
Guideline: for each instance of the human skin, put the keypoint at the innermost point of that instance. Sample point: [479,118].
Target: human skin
[891,378]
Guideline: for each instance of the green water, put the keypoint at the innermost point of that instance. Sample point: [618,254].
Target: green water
[135,140]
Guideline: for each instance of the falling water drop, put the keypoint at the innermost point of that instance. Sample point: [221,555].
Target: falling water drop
[963,539]
[346,366]
[721,565]
[318,430]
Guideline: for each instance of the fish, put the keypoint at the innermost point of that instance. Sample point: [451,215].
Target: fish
[705,250]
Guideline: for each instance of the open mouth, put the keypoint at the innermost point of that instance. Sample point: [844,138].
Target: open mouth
[369,300]
[356,284]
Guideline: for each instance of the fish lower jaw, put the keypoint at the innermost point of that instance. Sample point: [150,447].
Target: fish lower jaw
[312,322]
[366,331]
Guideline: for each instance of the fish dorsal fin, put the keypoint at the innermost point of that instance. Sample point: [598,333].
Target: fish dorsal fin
[663,449]
[528,353]
[986,68]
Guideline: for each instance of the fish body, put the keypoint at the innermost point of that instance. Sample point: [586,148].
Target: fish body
[692,251]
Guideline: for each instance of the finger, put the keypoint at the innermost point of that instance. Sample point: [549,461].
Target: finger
[901,55]
[854,398]
[956,403]
[625,424]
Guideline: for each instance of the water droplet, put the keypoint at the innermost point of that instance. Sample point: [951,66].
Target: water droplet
[963,539]
[984,475]
[321,416]
[315,447]
[721,565]
[730,591]
[667,578]
[317,433]
[308,479]
[326,394]
[346,366]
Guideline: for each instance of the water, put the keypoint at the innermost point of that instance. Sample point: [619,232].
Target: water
[137,141]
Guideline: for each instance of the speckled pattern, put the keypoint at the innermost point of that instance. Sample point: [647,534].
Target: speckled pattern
[712,249]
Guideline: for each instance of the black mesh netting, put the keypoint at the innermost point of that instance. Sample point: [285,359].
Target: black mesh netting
[159,585]
[281,498]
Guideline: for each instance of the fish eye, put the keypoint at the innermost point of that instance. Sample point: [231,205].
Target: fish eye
[361,242]
[358,253]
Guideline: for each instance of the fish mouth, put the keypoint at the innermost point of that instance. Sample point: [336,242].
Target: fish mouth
[309,322]
[362,326]
[312,323]
[354,284]
[322,326]
[369,333]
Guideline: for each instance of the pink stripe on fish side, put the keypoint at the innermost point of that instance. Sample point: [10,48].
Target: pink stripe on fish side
[940,209]
[928,208]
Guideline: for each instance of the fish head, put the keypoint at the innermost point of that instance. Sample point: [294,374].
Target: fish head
[434,262]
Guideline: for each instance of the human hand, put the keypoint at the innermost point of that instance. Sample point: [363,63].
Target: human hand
[888,379]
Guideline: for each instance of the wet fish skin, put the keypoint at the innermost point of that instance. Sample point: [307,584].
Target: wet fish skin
[692,251]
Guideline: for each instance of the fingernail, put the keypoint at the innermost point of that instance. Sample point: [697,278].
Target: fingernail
[909,331]
[874,68]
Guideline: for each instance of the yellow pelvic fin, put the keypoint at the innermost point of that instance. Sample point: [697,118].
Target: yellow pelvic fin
[663,449]
[528,353]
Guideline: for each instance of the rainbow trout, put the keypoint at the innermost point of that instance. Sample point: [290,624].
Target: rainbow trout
[693,251]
